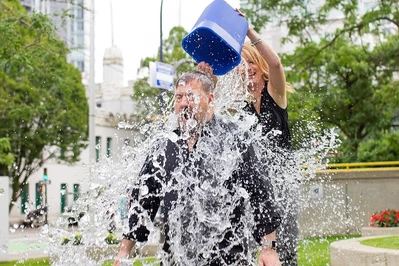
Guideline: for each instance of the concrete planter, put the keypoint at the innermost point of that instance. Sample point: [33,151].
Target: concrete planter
[380,231]
[350,252]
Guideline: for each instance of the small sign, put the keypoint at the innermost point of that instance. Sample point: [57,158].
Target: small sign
[161,75]
[316,191]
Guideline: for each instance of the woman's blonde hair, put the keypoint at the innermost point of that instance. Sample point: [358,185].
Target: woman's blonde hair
[253,55]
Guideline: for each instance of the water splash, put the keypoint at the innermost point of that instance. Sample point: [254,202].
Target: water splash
[103,206]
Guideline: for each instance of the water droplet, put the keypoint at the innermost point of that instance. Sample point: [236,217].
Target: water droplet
[4,249]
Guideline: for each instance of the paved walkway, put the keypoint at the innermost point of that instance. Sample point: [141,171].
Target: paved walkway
[25,244]
[33,243]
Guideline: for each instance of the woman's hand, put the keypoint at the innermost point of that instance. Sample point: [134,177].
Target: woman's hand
[251,30]
[239,12]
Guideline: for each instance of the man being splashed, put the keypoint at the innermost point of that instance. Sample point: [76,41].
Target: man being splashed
[215,203]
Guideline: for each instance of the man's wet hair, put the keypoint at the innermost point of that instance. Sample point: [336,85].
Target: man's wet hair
[206,81]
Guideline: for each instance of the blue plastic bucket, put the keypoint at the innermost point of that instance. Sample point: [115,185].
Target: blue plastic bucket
[217,37]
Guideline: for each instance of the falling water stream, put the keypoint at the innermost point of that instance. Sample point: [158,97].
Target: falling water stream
[200,217]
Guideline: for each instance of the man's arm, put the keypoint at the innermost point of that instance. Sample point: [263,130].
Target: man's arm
[144,200]
[124,251]
[266,214]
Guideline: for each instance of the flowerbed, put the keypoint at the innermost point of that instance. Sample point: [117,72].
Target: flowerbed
[385,218]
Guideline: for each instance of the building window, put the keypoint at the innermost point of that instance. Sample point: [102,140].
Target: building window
[25,199]
[80,40]
[109,140]
[98,148]
[64,197]
[127,142]
[76,188]
[38,201]
[81,26]
[80,13]
[80,66]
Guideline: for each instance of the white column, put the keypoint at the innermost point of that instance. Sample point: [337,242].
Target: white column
[48,11]
[43,7]
[37,6]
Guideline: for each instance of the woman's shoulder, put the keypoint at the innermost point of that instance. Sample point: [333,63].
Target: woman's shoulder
[267,100]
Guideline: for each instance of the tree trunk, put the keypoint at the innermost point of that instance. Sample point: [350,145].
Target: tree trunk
[15,187]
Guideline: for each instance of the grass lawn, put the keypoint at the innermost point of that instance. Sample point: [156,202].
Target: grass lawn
[316,251]
[391,242]
[35,262]
[45,262]
[312,252]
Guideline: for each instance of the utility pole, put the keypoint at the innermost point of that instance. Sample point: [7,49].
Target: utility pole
[160,37]
[160,98]
[92,101]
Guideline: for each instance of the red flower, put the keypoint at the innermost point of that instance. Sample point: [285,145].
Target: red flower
[386,218]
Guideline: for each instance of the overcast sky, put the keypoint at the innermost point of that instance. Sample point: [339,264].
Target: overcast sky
[137,27]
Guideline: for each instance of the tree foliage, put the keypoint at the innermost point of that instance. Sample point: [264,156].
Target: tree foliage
[386,146]
[43,102]
[349,88]
[344,74]
[6,158]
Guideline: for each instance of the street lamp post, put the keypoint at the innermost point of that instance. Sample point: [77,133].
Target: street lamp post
[92,101]
[160,34]
[160,98]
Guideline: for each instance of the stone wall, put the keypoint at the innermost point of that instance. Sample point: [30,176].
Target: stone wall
[342,201]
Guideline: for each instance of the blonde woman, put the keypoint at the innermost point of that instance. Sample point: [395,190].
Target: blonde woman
[268,88]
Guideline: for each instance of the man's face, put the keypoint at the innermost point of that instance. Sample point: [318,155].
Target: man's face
[192,105]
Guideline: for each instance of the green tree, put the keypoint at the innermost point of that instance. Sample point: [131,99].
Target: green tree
[146,96]
[6,158]
[348,88]
[43,102]
[383,148]
[341,80]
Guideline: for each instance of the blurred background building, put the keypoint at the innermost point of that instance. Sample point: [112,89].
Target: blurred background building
[113,107]
[74,30]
